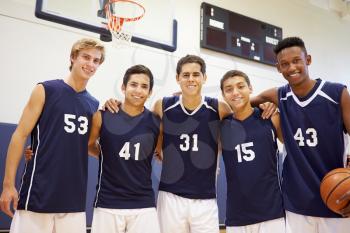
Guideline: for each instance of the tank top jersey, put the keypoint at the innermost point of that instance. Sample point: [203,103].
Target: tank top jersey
[55,179]
[190,148]
[250,154]
[127,148]
[314,135]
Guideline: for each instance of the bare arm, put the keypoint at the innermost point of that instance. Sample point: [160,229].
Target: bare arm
[159,154]
[94,148]
[30,116]
[276,121]
[158,110]
[112,105]
[224,109]
[270,95]
[345,106]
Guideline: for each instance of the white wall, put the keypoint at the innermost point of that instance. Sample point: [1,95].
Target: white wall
[34,50]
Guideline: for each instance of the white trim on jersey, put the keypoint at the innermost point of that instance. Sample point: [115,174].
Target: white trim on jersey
[279,168]
[306,102]
[20,187]
[100,176]
[180,102]
[273,136]
[172,106]
[327,97]
[34,165]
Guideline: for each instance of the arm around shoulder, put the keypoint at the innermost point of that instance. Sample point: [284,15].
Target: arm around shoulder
[158,108]
[224,109]
[270,95]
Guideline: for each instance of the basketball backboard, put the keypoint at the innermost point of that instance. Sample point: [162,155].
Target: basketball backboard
[157,28]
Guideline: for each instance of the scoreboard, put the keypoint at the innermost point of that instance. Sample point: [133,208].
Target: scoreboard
[225,31]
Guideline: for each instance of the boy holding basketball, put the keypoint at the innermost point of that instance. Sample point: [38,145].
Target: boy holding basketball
[250,153]
[315,116]
[58,116]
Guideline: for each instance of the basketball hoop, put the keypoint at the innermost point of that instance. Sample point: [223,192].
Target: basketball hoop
[116,21]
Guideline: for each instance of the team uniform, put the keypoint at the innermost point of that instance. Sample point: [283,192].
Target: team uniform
[53,188]
[315,141]
[250,153]
[125,199]
[187,196]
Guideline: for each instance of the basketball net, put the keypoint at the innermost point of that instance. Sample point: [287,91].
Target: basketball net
[116,17]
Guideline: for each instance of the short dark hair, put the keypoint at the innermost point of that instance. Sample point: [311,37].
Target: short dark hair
[289,42]
[233,73]
[190,59]
[138,69]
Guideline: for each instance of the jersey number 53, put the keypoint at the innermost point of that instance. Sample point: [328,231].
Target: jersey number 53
[71,125]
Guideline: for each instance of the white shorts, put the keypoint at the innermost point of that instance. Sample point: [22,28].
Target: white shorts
[297,223]
[272,226]
[28,221]
[143,220]
[183,215]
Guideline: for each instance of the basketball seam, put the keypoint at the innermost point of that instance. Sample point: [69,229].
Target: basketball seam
[335,187]
[329,175]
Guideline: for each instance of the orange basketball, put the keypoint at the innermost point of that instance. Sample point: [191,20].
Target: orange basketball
[333,185]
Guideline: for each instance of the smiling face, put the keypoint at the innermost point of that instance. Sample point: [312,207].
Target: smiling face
[191,79]
[85,63]
[137,90]
[236,92]
[292,63]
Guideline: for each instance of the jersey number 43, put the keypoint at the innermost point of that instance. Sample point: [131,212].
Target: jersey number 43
[311,139]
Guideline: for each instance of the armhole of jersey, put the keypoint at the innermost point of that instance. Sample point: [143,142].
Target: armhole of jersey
[165,100]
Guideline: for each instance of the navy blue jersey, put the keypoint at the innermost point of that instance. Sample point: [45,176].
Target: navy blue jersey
[313,131]
[250,154]
[190,147]
[55,179]
[127,148]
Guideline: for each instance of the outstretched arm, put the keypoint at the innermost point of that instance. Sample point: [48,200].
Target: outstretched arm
[29,118]
[94,148]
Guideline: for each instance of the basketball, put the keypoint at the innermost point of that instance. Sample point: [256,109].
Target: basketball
[335,184]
